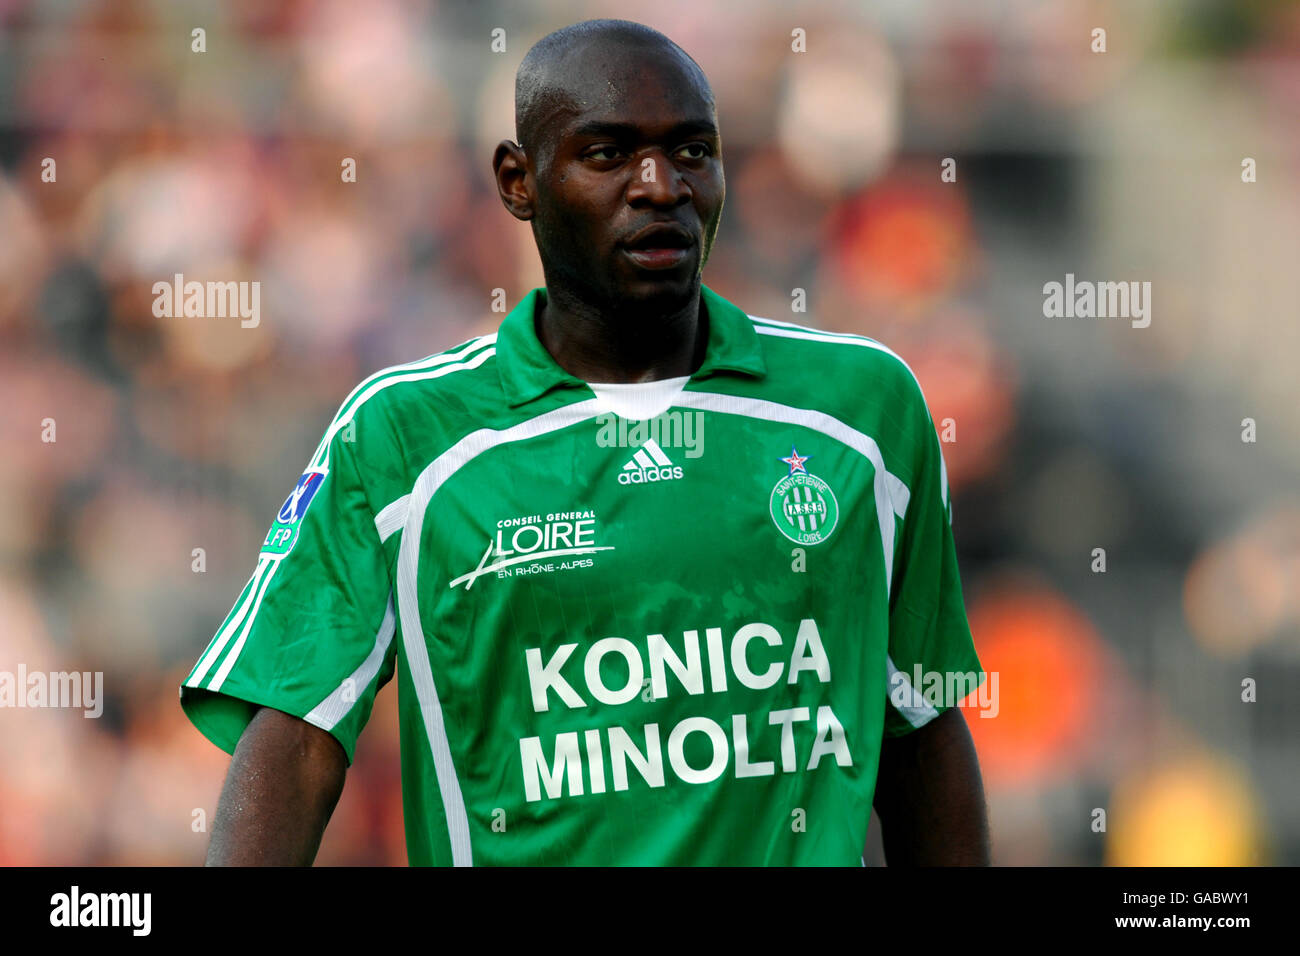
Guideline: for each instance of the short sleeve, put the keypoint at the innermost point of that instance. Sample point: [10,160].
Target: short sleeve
[932,661]
[312,633]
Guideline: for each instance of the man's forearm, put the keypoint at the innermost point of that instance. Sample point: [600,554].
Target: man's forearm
[284,781]
[930,798]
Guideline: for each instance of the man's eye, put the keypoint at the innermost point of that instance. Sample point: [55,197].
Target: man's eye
[701,150]
[598,154]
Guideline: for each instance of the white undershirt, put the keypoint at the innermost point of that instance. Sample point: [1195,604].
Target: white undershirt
[638,401]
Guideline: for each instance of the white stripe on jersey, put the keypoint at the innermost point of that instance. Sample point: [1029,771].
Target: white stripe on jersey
[229,662]
[336,706]
[435,474]
[788,330]
[341,421]
[917,711]
[438,358]
[390,520]
[223,636]
[431,361]
[899,494]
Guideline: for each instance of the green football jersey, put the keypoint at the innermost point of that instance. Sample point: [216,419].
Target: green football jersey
[678,639]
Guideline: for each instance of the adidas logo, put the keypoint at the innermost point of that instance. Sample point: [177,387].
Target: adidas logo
[649,464]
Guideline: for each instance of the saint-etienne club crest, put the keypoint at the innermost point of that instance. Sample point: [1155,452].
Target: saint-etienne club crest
[803,506]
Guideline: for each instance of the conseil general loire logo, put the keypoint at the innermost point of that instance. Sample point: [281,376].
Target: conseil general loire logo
[538,544]
[802,505]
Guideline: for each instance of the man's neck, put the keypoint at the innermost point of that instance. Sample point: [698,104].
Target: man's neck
[595,345]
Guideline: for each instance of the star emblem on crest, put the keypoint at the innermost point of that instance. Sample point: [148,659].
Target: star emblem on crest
[796,460]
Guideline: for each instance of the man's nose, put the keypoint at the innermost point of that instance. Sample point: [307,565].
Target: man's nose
[658,181]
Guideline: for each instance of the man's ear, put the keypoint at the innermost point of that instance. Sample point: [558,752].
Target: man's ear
[510,167]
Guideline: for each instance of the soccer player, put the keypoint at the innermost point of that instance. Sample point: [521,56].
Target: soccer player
[655,576]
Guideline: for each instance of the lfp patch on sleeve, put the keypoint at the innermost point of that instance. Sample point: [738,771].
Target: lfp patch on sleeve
[284,531]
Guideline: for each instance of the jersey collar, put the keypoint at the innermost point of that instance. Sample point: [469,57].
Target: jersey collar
[528,371]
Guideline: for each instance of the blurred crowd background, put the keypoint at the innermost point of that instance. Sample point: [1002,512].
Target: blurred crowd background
[1119,690]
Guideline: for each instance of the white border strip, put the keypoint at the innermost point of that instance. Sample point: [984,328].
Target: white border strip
[918,711]
[432,361]
[233,656]
[389,521]
[435,474]
[223,636]
[327,714]
[341,421]
[796,332]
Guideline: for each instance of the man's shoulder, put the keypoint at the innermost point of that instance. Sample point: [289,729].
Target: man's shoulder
[459,372]
[461,369]
[441,392]
[836,367]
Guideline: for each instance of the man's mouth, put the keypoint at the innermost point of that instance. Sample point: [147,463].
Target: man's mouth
[660,246]
[659,257]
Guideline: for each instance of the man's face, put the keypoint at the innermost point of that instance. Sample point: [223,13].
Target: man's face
[629,189]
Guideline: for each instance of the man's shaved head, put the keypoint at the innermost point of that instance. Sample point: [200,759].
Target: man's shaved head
[562,71]
[618,170]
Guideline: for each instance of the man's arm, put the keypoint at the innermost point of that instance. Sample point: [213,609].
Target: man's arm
[284,781]
[930,798]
